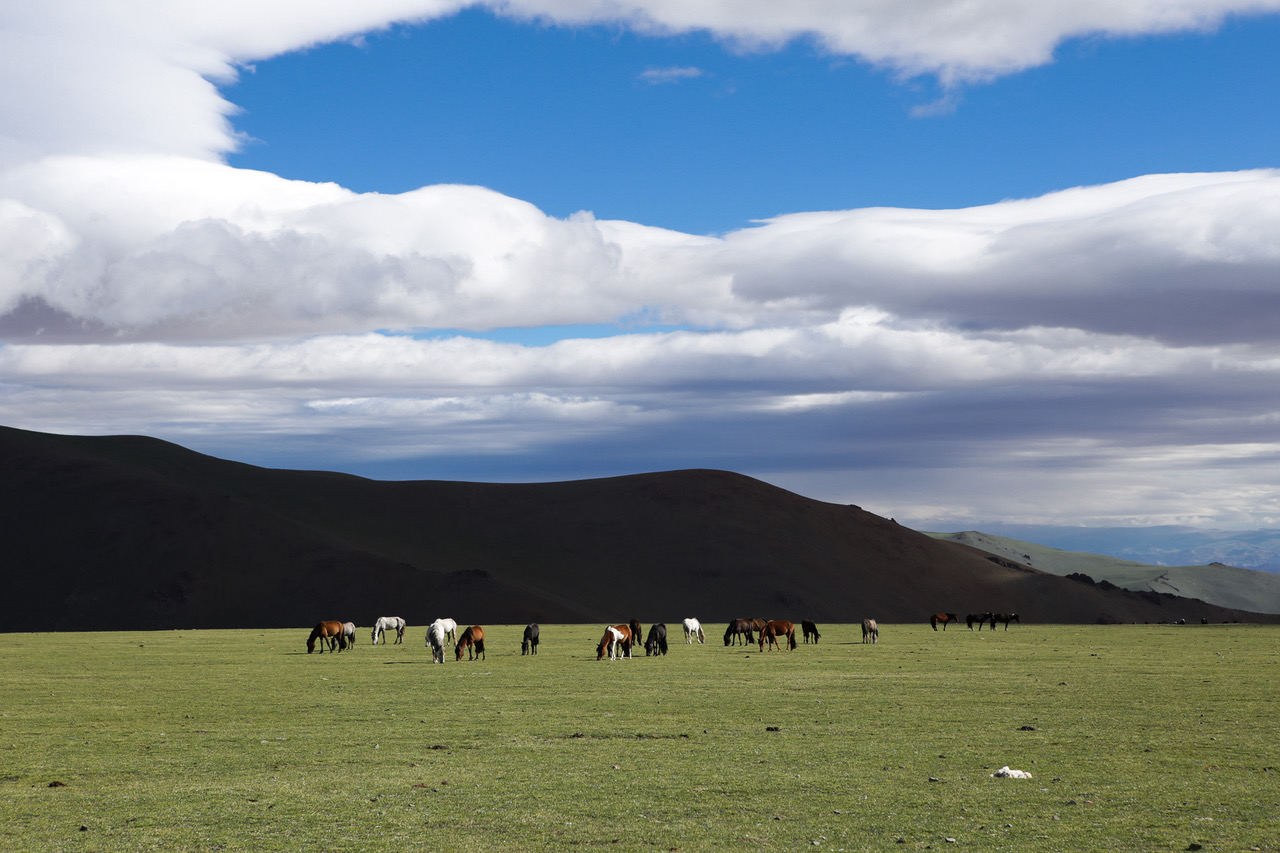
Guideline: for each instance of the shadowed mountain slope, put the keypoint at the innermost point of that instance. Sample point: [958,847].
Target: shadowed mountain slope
[126,532]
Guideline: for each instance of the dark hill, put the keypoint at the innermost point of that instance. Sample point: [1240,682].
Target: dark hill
[127,532]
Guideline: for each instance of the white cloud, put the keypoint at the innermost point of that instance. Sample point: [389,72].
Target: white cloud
[134,76]
[657,76]
[1123,331]
[162,247]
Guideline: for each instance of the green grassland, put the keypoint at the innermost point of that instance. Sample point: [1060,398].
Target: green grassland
[1139,738]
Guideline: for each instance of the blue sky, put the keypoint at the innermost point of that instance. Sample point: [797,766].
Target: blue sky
[566,118]
[954,261]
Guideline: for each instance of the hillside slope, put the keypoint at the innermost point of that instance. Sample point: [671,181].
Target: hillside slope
[131,532]
[1226,586]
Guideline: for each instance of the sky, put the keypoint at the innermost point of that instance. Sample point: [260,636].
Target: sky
[953,261]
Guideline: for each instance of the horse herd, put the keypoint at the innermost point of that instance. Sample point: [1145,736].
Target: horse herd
[618,640]
[972,619]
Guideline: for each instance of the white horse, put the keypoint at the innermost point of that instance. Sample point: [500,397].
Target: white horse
[693,628]
[436,634]
[349,633]
[450,629]
[386,623]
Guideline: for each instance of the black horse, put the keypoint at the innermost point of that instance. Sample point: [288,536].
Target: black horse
[1006,618]
[810,630]
[737,630]
[656,644]
[980,619]
[529,645]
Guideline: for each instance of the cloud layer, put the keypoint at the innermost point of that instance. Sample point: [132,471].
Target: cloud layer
[1103,353]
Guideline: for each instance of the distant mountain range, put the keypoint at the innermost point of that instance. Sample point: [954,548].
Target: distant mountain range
[1216,583]
[1159,546]
[128,532]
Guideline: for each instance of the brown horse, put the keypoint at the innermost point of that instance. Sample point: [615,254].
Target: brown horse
[778,628]
[327,633]
[739,629]
[942,619]
[870,631]
[472,640]
[615,643]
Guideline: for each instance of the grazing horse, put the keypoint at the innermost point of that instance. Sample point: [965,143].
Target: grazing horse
[436,636]
[349,633]
[1006,618]
[616,642]
[450,629]
[637,631]
[942,619]
[778,628]
[810,629]
[472,640]
[325,632]
[739,629]
[870,631]
[692,629]
[980,619]
[529,645]
[657,642]
[387,623]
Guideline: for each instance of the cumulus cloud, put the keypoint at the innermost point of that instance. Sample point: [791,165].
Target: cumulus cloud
[1114,342]
[156,248]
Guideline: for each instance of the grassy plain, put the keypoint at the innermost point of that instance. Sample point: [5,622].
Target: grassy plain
[1141,738]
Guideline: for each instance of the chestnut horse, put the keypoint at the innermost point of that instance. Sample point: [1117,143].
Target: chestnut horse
[616,642]
[472,640]
[942,619]
[870,631]
[326,632]
[778,628]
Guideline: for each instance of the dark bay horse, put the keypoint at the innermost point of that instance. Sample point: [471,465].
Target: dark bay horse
[327,633]
[1006,618]
[739,629]
[472,640]
[942,619]
[810,630]
[529,645]
[980,619]
[656,644]
[778,628]
[870,631]
[616,642]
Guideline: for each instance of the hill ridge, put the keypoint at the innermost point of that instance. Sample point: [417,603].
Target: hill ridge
[121,532]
